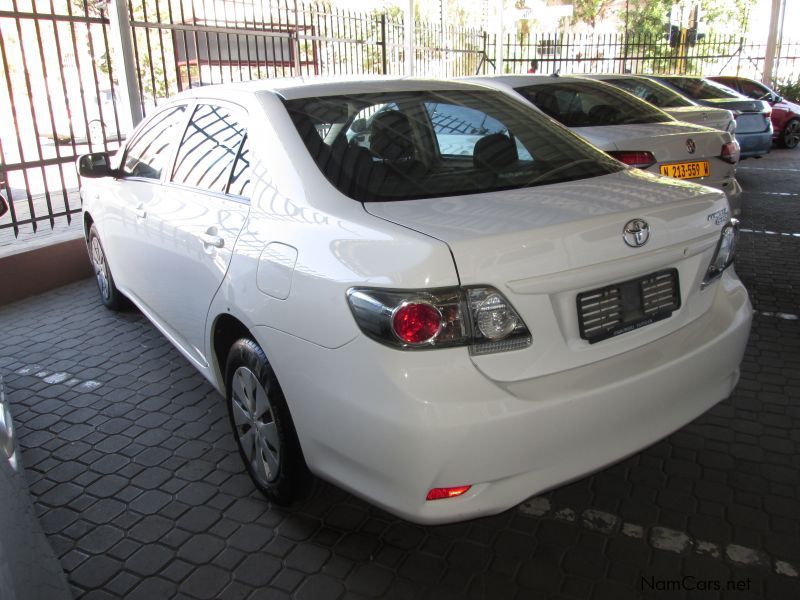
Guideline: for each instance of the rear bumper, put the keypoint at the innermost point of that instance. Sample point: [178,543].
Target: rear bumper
[390,425]
[754,144]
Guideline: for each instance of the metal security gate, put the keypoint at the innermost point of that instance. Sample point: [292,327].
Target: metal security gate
[76,74]
[56,102]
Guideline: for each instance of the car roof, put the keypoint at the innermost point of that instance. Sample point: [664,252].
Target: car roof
[602,76]
[657,76]
[309,87]
[512,81]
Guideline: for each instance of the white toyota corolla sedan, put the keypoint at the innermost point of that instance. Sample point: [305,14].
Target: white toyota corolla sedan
[425,292]
[631,130]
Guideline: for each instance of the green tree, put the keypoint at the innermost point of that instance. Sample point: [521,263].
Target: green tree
[648,29]
[590,11]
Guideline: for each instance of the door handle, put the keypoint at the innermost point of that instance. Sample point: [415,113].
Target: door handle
[212,240]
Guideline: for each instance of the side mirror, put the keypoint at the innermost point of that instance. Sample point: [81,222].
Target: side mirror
[777,98]
[94,165]
[3,206]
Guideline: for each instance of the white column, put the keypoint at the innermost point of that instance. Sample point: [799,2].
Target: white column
[129,108]
[499,35]
[775,24]
[408,21]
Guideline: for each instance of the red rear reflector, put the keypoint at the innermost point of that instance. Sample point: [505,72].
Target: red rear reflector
[416,322]
[634,158]
[451,492]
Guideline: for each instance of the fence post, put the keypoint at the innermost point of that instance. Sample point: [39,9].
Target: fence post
[130,111]
[409,32]
[500,33]
[383,44]
[775,26]
[739,56]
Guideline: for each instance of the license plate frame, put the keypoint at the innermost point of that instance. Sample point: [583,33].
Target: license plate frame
[629,300]
[688,169]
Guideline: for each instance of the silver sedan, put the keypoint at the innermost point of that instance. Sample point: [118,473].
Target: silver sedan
[631,130]
[670,101]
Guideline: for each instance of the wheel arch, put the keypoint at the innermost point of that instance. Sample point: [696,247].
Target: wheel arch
[88,221]
[225,331]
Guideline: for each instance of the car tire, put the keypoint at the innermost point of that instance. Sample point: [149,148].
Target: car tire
[790,136]
[110,296]
[262,425]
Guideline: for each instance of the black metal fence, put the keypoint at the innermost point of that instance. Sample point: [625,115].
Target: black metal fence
[619,53]
[56,95]
[60,75]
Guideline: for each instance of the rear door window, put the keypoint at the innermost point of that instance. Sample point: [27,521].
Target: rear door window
[209,149]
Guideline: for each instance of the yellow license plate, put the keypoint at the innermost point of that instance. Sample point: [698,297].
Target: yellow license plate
[686,170]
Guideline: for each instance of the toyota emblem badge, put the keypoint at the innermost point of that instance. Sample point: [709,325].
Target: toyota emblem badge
[636,233]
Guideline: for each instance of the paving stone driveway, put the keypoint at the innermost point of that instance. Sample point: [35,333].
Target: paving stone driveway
[140,490]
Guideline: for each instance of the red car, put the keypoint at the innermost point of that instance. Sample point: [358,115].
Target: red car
[785,114]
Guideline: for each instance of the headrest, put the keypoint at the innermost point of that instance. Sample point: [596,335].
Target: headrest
[391,136]
[494,151]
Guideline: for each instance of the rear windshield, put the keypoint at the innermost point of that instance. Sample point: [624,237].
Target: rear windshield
[405,145]
[590,104]
[651,91]
[701,89]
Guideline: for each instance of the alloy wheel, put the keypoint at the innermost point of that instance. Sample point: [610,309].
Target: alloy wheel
[791,134]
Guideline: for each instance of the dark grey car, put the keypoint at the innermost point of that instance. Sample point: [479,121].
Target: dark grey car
[753,124]
[28,568]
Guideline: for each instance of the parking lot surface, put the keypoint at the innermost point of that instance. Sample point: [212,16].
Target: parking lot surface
[140,490]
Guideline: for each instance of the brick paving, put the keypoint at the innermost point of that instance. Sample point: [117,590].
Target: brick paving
[139,488]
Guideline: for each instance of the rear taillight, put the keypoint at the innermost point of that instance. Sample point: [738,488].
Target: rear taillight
[730,152]
[478,317]
[724,252]
[416,322]
[635,158]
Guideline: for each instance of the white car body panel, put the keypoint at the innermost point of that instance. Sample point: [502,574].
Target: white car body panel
[181,228]
[542,247]
[387,424]
[715,118]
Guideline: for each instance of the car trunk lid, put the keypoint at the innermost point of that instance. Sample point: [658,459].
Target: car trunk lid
[669,142]
[702,115]
[544,246]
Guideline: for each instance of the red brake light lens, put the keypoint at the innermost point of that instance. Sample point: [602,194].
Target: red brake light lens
[416,322]
[730,153]
[444,493]
[635,158]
